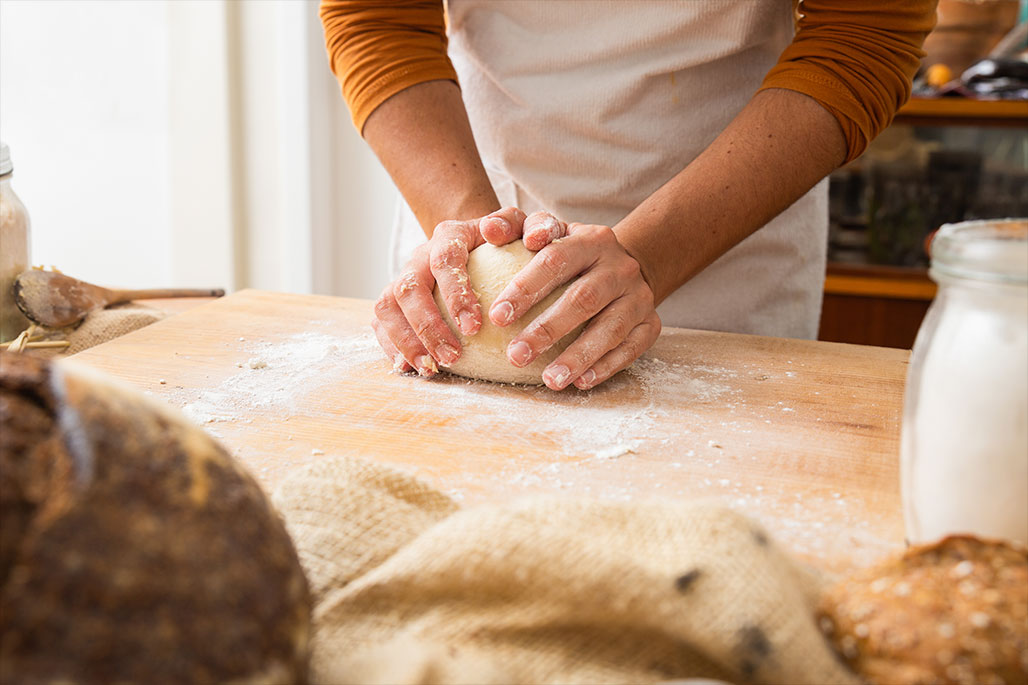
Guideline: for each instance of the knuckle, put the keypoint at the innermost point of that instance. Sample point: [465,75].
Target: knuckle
[642,301]
[648,300]
[409,345]
[583,355]
[586,298]
[524,294]
[634,351]
[444,227]
[450,255]
[596,233]
[424,329]
[553,261]
[656,326]
[545,333]
[405,286]
[440,259]
[384,304]
[620,328]
[628,268]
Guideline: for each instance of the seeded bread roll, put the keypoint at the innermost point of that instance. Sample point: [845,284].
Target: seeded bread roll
[132,548]
[951,612]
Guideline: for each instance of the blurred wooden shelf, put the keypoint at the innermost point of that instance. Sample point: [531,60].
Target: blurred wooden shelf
[867,304]
[956,111]
[872,280]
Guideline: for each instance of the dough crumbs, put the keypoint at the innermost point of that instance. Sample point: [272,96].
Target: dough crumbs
[408,282]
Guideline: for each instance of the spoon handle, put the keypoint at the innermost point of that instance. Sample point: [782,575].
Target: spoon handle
[160,293]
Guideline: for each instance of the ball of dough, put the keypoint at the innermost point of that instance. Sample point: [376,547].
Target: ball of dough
[484,355]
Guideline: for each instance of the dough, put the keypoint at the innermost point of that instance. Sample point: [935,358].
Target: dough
[484,355]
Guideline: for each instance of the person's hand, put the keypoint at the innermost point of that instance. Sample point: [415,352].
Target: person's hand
[608,287]
[407,322]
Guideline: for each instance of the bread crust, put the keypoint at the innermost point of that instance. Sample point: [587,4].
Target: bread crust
[132,547]
[955,611]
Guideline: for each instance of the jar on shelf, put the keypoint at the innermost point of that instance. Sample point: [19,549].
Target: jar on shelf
[964,445]
[14,249]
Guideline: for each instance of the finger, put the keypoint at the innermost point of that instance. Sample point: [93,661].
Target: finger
[554,265]
[502,226]
[400,364]
[393,325]
[541,229]
[448,261]
[413,293]
[606,331]
[584,299]
[638,341]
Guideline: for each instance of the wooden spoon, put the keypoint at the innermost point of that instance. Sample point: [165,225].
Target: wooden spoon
[55,300]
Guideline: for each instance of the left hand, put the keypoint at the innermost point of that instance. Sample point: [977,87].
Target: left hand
[608,287]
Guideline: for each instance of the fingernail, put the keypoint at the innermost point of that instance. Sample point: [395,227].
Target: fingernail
[467,322]
[519,352]
[558,376]
[499,223]
[586,380]
[544,230]
[447,354]
[426,365]
[502,313]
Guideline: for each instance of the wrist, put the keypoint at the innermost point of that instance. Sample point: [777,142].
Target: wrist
[465,204]
[635,238]
[423,138]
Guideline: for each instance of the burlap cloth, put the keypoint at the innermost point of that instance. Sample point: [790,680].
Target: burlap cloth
[99,326]
[409,588]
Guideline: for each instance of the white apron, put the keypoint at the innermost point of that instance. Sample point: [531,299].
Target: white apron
[585,107]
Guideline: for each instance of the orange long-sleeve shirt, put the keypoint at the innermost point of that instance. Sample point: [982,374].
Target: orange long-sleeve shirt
[855,57]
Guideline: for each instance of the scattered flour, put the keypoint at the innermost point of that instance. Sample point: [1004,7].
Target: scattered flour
[588,433]
[608,422]
[278,374]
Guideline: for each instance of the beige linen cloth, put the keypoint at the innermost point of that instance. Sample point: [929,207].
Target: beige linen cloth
[98,327]
[410,588]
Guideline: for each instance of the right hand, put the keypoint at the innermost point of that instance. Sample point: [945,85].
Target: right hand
[408,324]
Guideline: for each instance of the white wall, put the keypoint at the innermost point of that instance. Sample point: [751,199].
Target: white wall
[84,109]
[189,142]
[358,198]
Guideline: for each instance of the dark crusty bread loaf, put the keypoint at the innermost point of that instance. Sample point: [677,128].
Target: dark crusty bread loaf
[955,611]
[132,547]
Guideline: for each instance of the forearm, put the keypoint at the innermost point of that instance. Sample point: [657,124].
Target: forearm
[423,139]
[778,147]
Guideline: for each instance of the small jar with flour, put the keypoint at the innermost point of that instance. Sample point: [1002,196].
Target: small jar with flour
[964,448]
[14,249]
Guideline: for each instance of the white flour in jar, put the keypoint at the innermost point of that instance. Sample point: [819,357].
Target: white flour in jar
[965,450]
[14,257]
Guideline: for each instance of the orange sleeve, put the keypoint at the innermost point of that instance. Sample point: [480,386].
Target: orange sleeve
[376,49]
[857,59]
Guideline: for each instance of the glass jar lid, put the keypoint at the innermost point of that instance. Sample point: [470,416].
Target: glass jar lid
[994,250]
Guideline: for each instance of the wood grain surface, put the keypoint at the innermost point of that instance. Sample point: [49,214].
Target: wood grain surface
[802,435]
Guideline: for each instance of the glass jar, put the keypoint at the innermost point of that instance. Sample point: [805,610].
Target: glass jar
[964,446]
[14,249]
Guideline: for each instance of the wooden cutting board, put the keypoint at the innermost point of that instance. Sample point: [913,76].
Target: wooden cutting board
[802,435]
